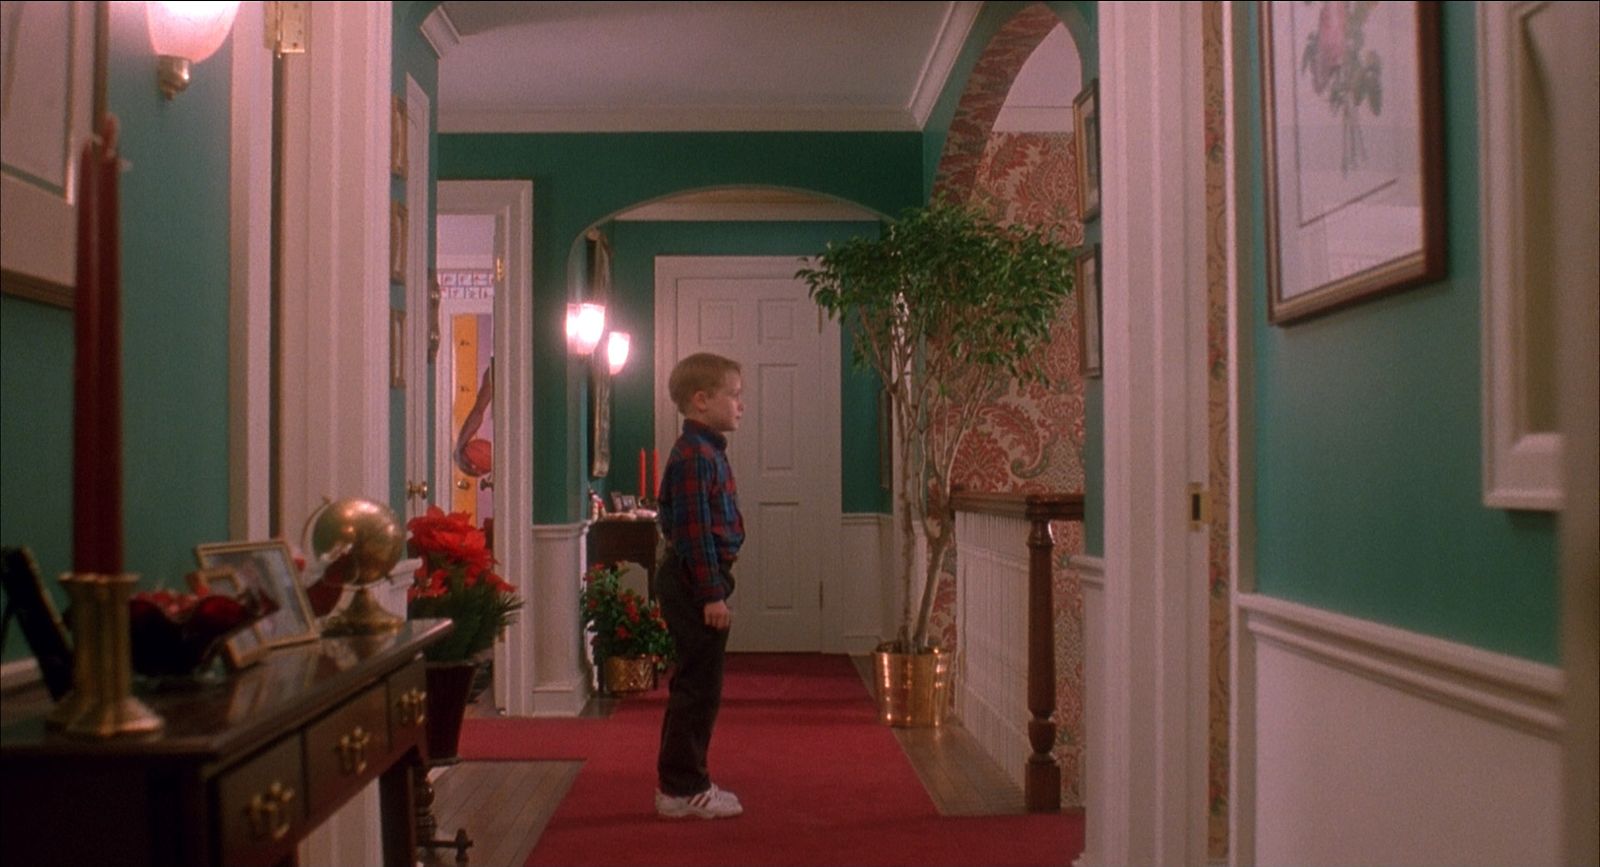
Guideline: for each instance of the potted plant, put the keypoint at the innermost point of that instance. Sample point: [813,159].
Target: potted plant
[629,635]
[457,580]
[948,307]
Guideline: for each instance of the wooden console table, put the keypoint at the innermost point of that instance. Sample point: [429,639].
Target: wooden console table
[245,769]
[634,540]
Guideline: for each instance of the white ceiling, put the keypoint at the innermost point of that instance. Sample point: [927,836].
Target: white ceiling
[707,66]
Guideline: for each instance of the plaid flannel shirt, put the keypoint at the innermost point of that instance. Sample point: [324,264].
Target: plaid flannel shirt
[699,511]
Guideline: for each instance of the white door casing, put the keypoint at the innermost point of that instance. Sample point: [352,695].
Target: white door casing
[539,652]
[418,286]
[786,453]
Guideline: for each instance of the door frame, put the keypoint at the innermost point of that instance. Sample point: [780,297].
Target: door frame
[668,270]
[511,202]
[420,279]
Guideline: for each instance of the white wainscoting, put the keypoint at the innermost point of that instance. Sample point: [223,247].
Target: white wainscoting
[1091,572]
[991,630]
[856,622]
[1359,743]
[557,683]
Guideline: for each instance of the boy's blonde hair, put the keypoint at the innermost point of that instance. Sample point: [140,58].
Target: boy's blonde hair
[702,371]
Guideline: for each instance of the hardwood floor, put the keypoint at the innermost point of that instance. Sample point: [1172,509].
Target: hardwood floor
[960,779]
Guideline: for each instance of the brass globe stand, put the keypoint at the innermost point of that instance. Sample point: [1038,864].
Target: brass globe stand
[363,616]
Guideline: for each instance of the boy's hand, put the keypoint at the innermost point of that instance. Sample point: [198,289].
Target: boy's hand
[717,615]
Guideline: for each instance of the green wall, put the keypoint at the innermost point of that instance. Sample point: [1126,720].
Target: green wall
[635,246]
[1368,438]
[175,337]
[582,180]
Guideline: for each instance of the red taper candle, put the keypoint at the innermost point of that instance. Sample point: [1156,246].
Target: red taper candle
[97,363]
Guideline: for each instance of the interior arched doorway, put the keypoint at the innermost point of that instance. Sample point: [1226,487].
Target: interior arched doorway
[1012,151]
[751,239]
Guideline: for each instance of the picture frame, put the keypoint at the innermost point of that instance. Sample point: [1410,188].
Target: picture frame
[397,136]
[1091,348]
[397,348]
[397,242]
[1354,197]
[623,503]
[245,647]
[268,567]
[29,603]
[599,250]
[1086,132]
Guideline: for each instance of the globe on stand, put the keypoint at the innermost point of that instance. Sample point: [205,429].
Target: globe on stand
[364,539]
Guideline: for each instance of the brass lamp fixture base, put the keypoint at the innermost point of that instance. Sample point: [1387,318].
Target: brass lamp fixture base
[102,704]
[172,74]
[364,616]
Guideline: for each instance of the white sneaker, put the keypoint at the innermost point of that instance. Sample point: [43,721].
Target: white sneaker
[713,803]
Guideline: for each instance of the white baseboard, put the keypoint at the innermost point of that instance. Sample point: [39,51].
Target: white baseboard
[1358,742]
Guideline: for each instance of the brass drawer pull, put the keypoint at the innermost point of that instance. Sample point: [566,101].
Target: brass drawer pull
[268,812]
[352,750]
[413,707]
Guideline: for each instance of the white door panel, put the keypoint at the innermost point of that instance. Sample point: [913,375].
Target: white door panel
[785,454]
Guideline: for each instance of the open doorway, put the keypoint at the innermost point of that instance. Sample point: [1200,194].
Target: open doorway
[463,382]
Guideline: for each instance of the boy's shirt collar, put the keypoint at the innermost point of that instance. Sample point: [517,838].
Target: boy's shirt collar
[690,426]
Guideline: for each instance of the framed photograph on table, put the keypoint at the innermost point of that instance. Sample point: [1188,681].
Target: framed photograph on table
[268,568]
[1086,129]
[246,646]
[1089,339]
[1350,99]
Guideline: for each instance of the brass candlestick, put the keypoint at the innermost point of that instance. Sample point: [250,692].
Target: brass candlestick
[102,704]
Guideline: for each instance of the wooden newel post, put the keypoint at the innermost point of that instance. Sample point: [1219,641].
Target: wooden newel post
[1042,784]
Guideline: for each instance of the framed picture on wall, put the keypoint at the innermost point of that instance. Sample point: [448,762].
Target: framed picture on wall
[1350,98]
[599,376]
[1089,339]
[397,135]
[1086,129]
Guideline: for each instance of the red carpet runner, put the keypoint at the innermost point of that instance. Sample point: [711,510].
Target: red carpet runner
[822,782]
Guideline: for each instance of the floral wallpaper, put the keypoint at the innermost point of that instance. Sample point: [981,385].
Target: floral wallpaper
[1031,440]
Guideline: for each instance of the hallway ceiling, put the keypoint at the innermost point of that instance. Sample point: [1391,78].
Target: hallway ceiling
[693,66]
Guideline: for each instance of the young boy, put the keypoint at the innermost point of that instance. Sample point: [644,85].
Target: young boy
[699,514]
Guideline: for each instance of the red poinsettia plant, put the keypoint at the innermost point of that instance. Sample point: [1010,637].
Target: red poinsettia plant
[457,580]
[620,622]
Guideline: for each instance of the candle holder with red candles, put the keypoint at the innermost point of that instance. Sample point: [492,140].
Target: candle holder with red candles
[101,703]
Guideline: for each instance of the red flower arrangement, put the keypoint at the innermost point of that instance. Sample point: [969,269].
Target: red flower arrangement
[457,580]
[621,622]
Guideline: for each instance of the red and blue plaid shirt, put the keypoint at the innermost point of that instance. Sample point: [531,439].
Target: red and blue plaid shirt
[700,510]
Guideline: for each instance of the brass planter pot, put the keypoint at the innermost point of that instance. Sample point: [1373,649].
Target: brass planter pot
[913,688]
[625,674]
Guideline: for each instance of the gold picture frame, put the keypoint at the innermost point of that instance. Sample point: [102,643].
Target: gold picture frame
[397,348]
[1091,348]
[268,568]
[397,136]
[397,242]
[1086,131]
[1354,198]
[245,647]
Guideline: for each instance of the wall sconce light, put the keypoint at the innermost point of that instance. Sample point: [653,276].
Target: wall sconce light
[586,322]
[617,351]
[184,34]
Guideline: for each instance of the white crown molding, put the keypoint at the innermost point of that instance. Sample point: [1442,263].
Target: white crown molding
[440,32]
[1491,685]
[749,212]
[699,119]
[942,59]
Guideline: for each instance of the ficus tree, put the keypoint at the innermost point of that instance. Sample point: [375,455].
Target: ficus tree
[949,308]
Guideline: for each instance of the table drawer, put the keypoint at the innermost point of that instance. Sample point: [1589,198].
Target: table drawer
[341,747]
[408,703]
[263,802]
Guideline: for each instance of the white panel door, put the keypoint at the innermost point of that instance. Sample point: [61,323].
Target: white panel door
[785,453]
